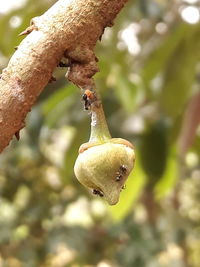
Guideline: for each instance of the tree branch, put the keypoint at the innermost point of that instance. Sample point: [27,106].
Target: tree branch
[69,28]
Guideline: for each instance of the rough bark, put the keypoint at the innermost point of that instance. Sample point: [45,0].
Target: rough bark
[69,28]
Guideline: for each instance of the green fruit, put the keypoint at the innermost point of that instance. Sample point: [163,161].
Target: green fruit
[104,167]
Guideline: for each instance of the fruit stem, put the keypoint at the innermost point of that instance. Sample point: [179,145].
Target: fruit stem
[99,127]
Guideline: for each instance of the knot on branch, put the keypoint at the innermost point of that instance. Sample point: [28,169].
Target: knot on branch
[81,74]
[83,66]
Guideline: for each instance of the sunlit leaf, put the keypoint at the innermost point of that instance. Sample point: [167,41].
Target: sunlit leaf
[160,56]
[81,136]
[180,74]
[57,105]
[57,97]
[168,181]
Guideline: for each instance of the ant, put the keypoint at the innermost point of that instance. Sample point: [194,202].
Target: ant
[63,65]
[122,171]
[97,192]
[88,97]
[119,177]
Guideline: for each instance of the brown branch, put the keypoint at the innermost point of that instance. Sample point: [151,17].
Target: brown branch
[69,28]
[190,125]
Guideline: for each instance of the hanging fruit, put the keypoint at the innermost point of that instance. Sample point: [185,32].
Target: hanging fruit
[104,163]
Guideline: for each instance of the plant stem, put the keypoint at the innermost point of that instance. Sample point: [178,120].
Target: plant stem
[99,127]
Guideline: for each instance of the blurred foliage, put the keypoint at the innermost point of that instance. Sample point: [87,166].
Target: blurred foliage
[149,72]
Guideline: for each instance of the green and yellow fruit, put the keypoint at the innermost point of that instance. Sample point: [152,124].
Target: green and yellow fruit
[105,167]
[104,163]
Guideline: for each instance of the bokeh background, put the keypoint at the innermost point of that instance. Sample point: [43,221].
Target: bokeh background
[149,81]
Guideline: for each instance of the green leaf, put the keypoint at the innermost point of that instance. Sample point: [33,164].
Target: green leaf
[126,93]
[154,149]
[57,97]
[81,135]
[10,34]
[180,74]
[169,178]
[160,55]
[56,105]
[125,90]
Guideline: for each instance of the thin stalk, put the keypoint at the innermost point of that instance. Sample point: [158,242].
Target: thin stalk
[99,127]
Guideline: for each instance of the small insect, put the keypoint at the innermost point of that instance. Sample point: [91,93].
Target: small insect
[122,171]
[63,65]
[119,177]
[88,97]
[97,192]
